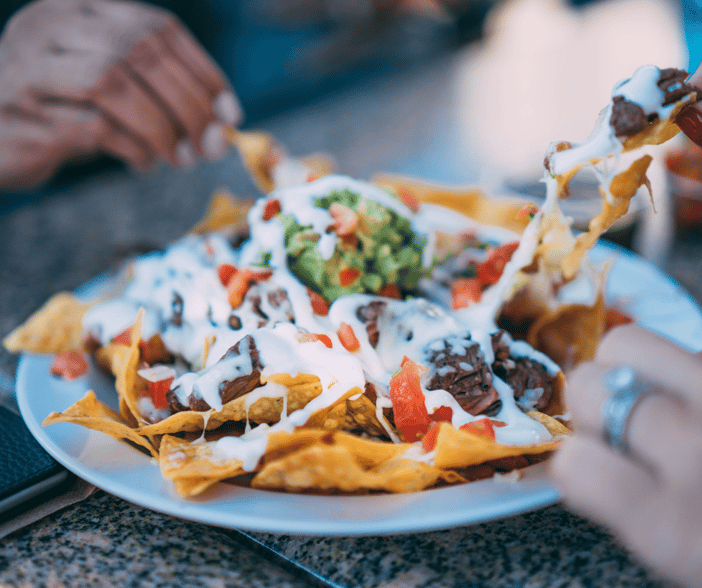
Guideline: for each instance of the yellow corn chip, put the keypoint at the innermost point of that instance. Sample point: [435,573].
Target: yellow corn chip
[93,414]
[224,210]
[458,449]
[472,203]
[55,328]
[194,467]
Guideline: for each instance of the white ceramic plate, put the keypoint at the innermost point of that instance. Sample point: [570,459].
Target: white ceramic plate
[653,298]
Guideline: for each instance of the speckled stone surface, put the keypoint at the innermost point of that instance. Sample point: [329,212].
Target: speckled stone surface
[104,541]
[64,240]
[545,548]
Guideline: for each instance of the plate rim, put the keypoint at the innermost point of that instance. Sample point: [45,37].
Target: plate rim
[205,510]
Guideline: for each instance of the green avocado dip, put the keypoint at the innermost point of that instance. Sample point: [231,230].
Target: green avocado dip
[377,250]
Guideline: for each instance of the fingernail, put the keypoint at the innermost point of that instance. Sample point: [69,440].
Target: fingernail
[690,123]
[228,108]
[185,154]
[213,142]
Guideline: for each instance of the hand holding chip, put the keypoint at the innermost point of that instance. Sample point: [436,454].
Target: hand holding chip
[648,491]
[81,78]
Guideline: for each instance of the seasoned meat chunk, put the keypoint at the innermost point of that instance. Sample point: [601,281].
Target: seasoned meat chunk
[531,382]
[458,366]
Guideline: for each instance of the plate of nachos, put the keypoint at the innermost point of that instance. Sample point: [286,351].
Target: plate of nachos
[346,357]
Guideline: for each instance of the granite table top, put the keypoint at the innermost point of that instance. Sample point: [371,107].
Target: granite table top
[64,239]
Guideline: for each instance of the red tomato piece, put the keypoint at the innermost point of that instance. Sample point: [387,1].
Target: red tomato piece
[348,338]
[409,411]
[432,435]
[124,338]
[237,287]
[319,305]
[225,272]
[481,428]
[615,317]
[348,275]
[312,337]
[271,208]
[158,390]
[311,177]
[69,365]
[390,290]
[490,270]
[443,413]
[409,199]
[465,291]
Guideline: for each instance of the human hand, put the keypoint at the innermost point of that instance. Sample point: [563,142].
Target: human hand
[84,77]
[690,119]
[650,496]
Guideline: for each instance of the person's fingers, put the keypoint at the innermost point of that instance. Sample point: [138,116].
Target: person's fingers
[188,101]
[193,56]
[661,430]
[600,483]
[690,119]
[130,106]
[659,524]
[657,359]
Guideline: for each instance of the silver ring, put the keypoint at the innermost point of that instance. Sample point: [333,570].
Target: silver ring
[625,390]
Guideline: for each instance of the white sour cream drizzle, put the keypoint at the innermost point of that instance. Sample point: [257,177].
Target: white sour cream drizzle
[189,268]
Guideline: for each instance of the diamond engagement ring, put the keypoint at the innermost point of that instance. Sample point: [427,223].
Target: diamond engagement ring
[625,390]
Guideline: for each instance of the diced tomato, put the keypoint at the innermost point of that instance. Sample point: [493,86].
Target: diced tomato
[465,291]
[482,428]
[124,338]
[158,390]
[409,199]
[390,290]
[311,177]
[443,413]
[348,338]
[431,436]
[69,365]
[159,378]
[409,411]
[319,305]
[348,275]
[529,210]
[225,272]
[271,208]
[259,274]
[237,287]
[208,247]
[311,337]
[240,281]
[490,270]
[345,219]
[615,317]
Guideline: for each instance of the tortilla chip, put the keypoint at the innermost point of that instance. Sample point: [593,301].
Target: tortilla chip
[89,412]
[55,328]
[553,426]
[260,152]
[662,130]
[622,189]
[570,334]
[340,462]
[302,389]
[194,467]
[472,203]
[130,386]
[459,449]
[224,210]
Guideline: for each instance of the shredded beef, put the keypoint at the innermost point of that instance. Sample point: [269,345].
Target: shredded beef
[628,118]
[529,379]
[672,82]
[463,375]
[230,389]
[369,314]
